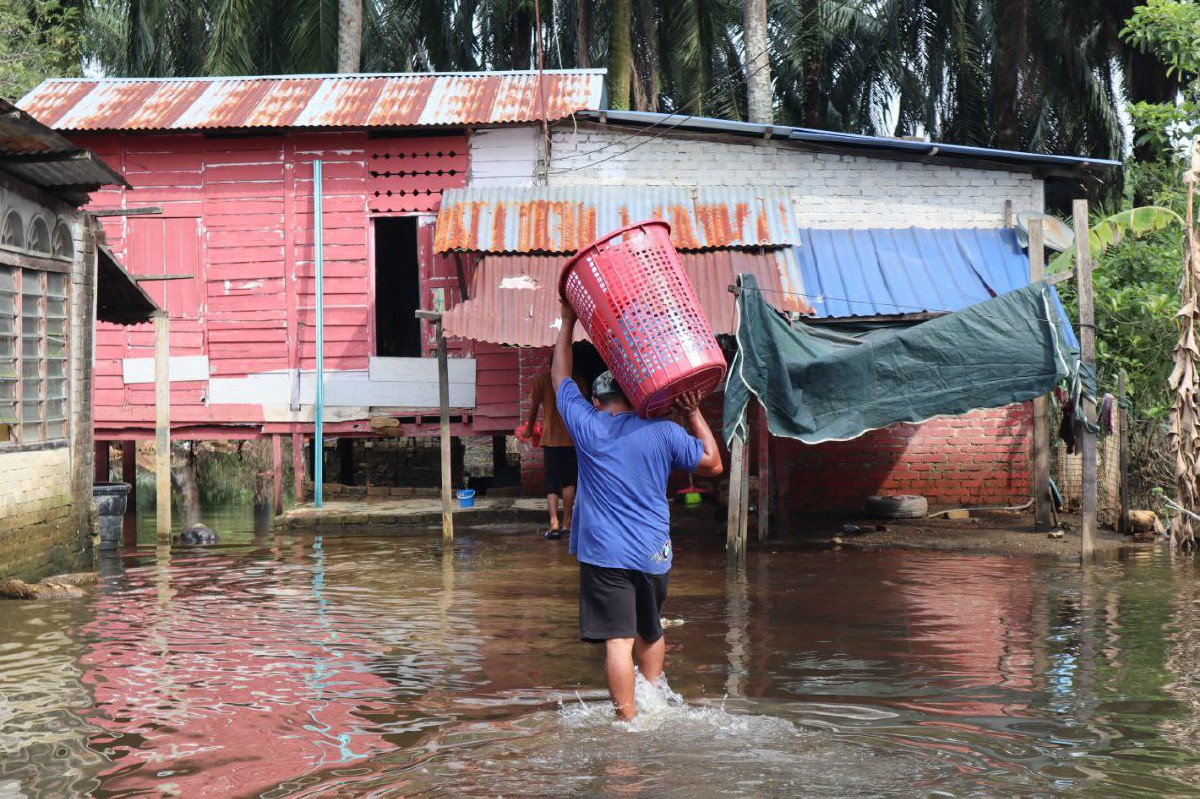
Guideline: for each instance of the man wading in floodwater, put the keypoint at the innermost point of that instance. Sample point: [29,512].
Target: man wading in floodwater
[621,529]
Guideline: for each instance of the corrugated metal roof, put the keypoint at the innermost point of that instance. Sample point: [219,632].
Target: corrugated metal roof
[313,101]
[561,219]
[119,298]
[851,141]
[514,298]
[34,153]
[883,272]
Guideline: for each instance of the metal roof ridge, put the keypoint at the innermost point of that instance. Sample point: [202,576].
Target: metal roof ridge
[815,135]
[324,76]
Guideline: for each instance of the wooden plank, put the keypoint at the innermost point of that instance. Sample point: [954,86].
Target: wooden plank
[180,368]
[277,473]
[1087,354]
[162,426]
[420,370]
[444,409]
[764,474]
[1042,510]
[298,468]
[103,462]
[1119,429]
[735,552]
[129,475]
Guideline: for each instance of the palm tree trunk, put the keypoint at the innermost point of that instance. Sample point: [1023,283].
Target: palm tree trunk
[350,22]
[1012,51]
[583,33]
[813,65]
[620,55]
[647,78]
[758,68]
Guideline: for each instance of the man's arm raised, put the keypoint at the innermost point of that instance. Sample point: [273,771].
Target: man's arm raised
[560,370]
[710,464]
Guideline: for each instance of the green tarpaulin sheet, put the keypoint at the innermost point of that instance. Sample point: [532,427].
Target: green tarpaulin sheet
[819,386]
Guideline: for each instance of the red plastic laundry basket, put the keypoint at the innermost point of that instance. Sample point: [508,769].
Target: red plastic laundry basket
[638,307]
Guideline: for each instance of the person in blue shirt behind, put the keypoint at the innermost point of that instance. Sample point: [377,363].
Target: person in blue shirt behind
[621,525]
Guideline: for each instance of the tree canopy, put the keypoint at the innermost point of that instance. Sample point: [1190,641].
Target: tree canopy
[1042,75]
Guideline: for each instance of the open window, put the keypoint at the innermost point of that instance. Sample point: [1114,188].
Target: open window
[397,288]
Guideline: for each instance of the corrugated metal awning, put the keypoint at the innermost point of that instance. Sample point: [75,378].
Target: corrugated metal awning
[884,272]
[119,298]
[561,219]
[514,298]
[34,153]
[313,101]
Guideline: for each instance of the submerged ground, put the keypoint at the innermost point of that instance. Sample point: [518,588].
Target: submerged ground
[302,665]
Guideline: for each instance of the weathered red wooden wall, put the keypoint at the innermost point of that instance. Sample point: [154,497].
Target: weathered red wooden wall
[237,214]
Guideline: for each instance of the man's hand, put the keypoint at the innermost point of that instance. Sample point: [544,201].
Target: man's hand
[688,403]
[567,313]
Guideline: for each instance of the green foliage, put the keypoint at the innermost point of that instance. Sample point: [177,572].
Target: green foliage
[1112,230]
[38,39]
[1170,30]
[1135,286]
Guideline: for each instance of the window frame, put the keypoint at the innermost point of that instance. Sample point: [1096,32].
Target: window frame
[49,354]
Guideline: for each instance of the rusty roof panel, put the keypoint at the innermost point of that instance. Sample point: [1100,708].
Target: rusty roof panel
[561,219]
[514,298]
[325,101]
[37,155]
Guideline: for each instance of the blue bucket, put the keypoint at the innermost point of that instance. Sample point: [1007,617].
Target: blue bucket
[466,498]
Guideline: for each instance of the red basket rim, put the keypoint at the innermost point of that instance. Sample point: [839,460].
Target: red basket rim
[566,270]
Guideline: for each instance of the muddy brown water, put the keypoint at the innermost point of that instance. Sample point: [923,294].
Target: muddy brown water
[306,666]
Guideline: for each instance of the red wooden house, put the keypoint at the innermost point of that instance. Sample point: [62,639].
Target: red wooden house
[231,253]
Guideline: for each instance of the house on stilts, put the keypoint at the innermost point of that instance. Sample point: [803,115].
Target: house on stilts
[465,193]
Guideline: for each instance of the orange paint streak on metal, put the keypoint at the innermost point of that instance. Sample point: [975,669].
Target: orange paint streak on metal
[741,213]
[400,102]
[474,234]
[498,227]
[523,316]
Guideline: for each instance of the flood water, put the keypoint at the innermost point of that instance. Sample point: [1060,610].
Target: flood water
[279,665]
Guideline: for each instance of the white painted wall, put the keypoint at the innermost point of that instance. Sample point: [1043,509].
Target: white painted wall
[388,383]
[828,191]
[504,156]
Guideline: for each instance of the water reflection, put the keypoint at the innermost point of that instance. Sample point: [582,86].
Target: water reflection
[314,666]
[205,686]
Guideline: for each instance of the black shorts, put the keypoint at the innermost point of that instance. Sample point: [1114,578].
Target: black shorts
[620,603]
[562,468]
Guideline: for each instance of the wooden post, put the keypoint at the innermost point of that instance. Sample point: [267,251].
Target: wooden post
[1042,510]
[103,462]
[1087,354]
[162,424]
[299,471]
[444,407]
[764,475]
[129,475]
[1122,434]
[277,473]
[735,534]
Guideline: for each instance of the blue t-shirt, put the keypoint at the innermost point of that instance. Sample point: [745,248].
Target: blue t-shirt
[621,518]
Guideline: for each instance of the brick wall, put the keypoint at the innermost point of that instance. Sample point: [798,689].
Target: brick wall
[828,190]
[979,458]
[38,523]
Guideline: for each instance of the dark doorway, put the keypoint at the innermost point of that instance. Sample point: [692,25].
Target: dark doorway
[397,288]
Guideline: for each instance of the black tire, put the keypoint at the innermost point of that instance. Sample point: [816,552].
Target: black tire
[897,506]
